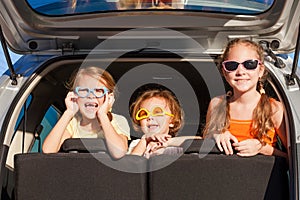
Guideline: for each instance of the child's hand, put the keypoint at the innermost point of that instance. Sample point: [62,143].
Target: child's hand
[249,147]
[111,100]
[71,103]
[159,137]
[153,148]
[223,142]
[106,105]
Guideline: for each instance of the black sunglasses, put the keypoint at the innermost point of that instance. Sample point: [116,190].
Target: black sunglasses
[230,65]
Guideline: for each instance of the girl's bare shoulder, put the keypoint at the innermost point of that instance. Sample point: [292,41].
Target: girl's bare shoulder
[277,112]
[216,100]
[276,105]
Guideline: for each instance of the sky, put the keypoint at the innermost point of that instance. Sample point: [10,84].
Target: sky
[3,66]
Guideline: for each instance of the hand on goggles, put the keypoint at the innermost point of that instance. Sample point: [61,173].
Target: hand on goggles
[143,113]
[85,92]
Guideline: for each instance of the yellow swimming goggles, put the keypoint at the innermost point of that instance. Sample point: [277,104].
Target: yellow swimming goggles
[143,113]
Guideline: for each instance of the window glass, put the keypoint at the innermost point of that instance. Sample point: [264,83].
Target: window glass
[67,7]
[51,117]
[3,63]
[21,115]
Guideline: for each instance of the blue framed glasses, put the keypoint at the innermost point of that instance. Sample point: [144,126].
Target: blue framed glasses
[85,92]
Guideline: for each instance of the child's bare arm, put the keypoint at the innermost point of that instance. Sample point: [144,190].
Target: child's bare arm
[116,142]
[140,148]
[59,133]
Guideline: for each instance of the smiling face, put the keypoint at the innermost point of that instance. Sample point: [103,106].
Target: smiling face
[89,105]
[156,124]
[243,80]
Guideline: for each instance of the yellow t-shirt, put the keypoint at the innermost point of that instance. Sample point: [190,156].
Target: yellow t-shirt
[119,123]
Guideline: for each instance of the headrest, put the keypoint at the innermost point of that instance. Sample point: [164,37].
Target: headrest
[200,146]
[83,145]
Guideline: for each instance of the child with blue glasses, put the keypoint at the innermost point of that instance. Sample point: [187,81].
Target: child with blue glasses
[88,115]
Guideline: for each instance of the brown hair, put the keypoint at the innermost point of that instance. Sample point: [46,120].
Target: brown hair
[171,101]
[261,117]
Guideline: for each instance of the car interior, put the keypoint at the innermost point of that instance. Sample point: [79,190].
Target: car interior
[86,167]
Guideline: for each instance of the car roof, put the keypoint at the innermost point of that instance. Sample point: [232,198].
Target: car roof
[27,31]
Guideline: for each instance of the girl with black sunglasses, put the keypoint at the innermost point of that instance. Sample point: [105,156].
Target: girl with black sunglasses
[245,120]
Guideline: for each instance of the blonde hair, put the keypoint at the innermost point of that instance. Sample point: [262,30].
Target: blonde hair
[261,117]
[95,72]
[171,101]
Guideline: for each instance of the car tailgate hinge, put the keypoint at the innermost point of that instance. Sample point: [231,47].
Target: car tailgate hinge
[67,48]
[290,78]
[13,74]
[266,46]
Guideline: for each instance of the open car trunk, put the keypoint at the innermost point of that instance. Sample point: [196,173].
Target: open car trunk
[195,81]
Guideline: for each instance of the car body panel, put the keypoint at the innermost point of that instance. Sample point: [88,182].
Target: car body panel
[27,31]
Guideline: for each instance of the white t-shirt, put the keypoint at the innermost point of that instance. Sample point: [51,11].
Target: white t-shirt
[132,144]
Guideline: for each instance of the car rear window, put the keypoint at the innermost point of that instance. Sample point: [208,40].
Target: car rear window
[71,7]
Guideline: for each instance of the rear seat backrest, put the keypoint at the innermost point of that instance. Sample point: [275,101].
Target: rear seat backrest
[77,176]
[200,146]
[200,176]
[83,145]
[219,177]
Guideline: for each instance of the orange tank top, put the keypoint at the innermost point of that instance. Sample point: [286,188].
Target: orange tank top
[241,130]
